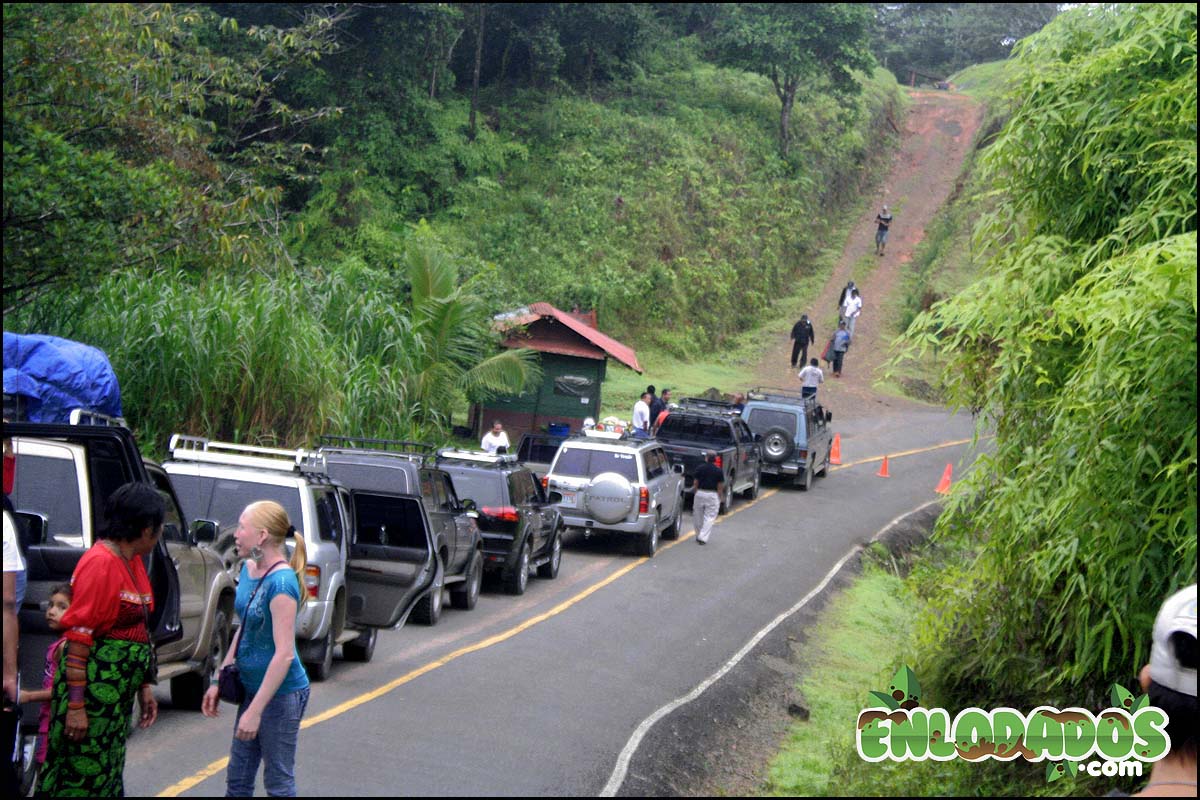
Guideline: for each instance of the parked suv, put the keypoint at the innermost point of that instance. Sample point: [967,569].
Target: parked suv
[608,480]
[699,426]
[370,554]
[521,531]
[407,468]
[63,476]
[796,437]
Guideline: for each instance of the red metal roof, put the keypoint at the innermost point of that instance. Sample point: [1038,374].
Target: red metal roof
[598,345]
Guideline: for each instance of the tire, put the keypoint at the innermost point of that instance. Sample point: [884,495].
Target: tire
[362,648]
[187,691]
[777,445]
[319,670]
[516,582]
[550,568]
[466,594]
[752,492]
[825,466]
[727,497]
[672,531]
[428,609]
[806,482]
[649,543]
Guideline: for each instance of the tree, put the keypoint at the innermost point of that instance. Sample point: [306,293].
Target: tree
[129,142]
[1078,346]
[798,46]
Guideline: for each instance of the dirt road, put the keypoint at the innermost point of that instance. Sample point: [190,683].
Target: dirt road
[938,132]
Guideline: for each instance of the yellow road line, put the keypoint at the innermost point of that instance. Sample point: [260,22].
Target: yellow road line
[175,789]
[919,450]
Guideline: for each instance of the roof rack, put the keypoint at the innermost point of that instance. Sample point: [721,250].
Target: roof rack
[772,393]
[83,416]
[414,451]
[703,404]
[481,456]
[198,448]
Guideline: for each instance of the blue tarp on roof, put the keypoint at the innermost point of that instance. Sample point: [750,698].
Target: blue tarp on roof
[58,375]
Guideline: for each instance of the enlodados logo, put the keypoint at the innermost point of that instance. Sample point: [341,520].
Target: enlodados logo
[1117,741]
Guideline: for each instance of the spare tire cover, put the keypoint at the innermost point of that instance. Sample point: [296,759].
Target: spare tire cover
[608,497]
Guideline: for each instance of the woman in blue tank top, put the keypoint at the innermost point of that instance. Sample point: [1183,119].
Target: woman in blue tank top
[269,596]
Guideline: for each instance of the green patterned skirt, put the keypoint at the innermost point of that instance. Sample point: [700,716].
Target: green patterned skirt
[95,766]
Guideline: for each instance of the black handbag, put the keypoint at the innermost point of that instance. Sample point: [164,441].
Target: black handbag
[229,682]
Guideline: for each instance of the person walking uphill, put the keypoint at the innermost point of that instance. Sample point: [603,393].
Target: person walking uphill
[841,343]
[709,483]
[269,669]
[884,220]
[108,660]
[802,336]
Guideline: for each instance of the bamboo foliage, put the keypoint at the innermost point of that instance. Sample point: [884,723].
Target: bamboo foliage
[1078,348]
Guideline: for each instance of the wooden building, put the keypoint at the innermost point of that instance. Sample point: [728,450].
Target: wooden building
[574,356]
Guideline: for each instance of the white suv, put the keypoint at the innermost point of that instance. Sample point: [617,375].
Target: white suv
[608,480]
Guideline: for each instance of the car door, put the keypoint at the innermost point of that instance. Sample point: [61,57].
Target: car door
[525,497]
[444,533]
[189,564]
[466,531]
[391,560]
[548,511]
[656,469]
[750,454]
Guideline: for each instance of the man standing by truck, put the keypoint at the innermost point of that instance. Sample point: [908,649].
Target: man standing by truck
[802,336]
[709,483]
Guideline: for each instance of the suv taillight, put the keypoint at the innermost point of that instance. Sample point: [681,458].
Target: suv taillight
[643,500]
[545,482]
[312,580]
[502,513]
[717,461]
[803,454]
[10,468]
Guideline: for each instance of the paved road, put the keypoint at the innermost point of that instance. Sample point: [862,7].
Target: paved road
[537,695]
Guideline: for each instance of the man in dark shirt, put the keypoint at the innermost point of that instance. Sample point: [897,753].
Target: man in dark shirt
[709,483]
[802,336]
[884,220]
[657,404]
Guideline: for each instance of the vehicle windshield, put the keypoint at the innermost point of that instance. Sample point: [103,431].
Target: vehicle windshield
[762,420]
[692,428]
[223,501]
[580,463]
[486,489]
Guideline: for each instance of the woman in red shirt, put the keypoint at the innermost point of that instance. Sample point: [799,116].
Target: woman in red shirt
[108,660]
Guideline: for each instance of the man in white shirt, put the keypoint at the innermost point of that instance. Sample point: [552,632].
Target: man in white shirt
[851,310]
[641,415]
[810,378]
[495,439]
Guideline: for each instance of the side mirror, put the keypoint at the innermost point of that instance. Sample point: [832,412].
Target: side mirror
[758,437]
[555,497]
[469,505]
[204,531]
[31,527]
[829,416]
[677,469]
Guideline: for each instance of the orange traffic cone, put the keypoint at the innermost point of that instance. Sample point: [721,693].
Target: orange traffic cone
[944,486]
[883,470]
[835,452]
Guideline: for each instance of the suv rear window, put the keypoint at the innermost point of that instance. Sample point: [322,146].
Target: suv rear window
[580,463]
[696,427]
[223,501]
[762,420]
[486,489]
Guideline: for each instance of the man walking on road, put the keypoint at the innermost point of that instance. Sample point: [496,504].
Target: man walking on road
[851,310]
[802,336]
[841,343]
[884,218]
[843,297]
[709,483]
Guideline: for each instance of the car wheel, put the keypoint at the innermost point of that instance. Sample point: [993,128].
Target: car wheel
[466,596]
[672,531]
[825,465]
[550,568]
[752,492]
[727,497]
[320,669]
[806,481]
[650,541]
[362,648]
[428,609]
[187,691]
[519,579]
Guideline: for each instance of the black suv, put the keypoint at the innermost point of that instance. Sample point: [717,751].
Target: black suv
[385,465]
[520,529]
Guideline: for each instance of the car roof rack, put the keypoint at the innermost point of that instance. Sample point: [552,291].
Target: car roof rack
[198,448]
[776,394]
[704,404]
[83,416]
[481,456]
[414,451]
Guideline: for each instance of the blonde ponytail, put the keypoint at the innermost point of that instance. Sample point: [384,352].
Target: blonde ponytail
[298,563]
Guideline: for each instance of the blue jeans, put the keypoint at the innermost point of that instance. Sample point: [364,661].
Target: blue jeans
[275,746]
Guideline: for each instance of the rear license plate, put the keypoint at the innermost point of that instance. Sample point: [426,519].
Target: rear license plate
[568,498]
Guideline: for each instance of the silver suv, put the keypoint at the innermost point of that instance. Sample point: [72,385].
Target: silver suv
[217,480]
[607,480]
